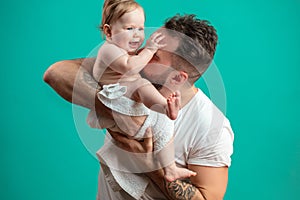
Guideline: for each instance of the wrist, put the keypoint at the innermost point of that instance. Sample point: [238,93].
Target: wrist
[157,176]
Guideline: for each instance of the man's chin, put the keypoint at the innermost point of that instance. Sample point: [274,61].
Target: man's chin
[156,85]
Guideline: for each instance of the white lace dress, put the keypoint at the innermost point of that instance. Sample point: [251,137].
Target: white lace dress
[124,167]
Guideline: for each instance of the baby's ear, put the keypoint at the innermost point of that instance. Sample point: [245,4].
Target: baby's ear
[107,30]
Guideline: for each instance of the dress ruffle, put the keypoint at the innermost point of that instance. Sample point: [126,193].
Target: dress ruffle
[113,97]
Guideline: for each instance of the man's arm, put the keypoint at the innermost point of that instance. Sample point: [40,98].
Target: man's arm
[209,184]
[73,81]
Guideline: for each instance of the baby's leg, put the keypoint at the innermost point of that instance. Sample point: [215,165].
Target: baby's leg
[149,96]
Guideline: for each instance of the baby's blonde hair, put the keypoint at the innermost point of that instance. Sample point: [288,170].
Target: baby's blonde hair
[115,9]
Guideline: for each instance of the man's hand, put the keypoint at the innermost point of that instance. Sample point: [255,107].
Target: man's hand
[140,152]
[132,145]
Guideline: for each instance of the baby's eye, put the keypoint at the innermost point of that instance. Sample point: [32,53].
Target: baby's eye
[141,29]
[129,28]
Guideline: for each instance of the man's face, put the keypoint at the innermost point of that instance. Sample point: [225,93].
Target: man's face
[158,68]
[160,65]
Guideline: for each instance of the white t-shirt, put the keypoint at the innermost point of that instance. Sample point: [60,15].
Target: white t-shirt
[203,136]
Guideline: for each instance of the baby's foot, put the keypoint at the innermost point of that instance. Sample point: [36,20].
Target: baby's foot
[174,103]
[173,173]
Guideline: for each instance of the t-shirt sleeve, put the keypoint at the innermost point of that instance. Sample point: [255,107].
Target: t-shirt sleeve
[215,154]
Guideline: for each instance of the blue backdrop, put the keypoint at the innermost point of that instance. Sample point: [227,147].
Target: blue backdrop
[43,156]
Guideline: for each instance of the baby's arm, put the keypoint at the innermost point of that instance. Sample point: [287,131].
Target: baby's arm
[134,64]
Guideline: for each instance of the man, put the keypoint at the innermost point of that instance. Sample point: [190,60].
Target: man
[203,136]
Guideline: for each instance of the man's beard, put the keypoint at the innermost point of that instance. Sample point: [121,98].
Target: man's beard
[156,85]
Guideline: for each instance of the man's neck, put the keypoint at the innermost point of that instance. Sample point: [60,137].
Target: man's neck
[186,93]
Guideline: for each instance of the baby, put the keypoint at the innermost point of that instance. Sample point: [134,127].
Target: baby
[124,91]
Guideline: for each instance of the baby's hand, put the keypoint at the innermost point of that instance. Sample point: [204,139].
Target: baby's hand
[153,43]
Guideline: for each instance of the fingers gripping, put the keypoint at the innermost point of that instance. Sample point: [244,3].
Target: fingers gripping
[132,145]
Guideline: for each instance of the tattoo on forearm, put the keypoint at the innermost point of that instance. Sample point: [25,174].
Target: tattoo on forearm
[181,190]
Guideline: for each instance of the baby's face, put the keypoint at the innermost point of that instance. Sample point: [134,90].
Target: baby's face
[128,31]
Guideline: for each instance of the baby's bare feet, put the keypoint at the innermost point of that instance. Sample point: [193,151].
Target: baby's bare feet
[174,104]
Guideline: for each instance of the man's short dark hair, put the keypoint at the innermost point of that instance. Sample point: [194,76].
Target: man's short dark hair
[197,48]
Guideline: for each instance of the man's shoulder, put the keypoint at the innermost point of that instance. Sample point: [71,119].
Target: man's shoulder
[203,117]
[199,106]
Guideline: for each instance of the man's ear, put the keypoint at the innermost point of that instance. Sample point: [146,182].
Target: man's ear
[107,30]
[178,77]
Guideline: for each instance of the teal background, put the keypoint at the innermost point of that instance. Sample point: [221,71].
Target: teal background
[42,156]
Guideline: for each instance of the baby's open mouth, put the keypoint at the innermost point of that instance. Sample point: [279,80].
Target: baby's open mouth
[135,42]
